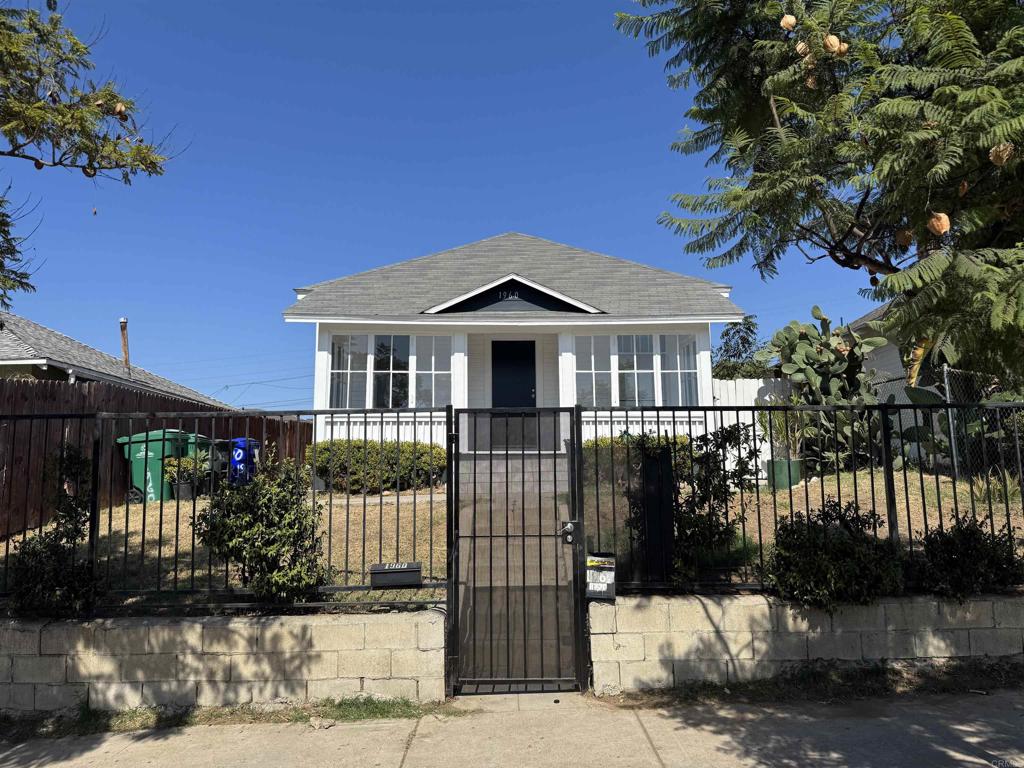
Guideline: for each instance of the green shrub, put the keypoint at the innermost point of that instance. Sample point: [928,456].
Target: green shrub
[831,557]
[968,559]
[48,577]
[372,466]
[621,456]
[187,469]
[269,531]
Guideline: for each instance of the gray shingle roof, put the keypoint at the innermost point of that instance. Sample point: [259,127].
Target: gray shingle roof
[878,313]
[621,289]
[22,339]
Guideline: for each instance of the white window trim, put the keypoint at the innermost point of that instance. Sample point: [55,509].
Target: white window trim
[679,371]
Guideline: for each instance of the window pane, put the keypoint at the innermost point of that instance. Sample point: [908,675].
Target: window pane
[669,353]
[626,362]
[584,389]
[602,353]
[689,381]
[382,353]
[442,389]
[339,353]
[645,388]
[645,362]
[584,361]
[688,353]
[358,345]
[338,390]
[602,389]
[626,345]
[356,390]
[669,389]
[645,344]
[400,353]
[627,389]
[400,390]
[424,386]
[381,390]
[442,353]
[424,353]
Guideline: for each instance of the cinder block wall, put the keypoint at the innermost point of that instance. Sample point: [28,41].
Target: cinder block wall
[117,664]
[659,642]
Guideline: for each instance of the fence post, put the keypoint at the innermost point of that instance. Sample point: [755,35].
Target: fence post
[451,437]
[890,480]
[951,415]
[94,493]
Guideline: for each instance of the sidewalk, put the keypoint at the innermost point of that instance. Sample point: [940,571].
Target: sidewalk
[534,731]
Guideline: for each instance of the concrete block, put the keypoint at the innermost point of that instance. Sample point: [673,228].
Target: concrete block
[338,637]
[366,663]
[715,671]
[618,647]
[780,646]
[38,669]
[984,642]
[284,666]
[787,617]
[695,613]
[606,678]
[859,618]
[176,637]
[49,698]
[746,613]
[338,688]
[843,646]
[19,637]
[293,691]
[392,688]
[6,669]
[221,694]
[887,645]
[150,667]
[645,675]
[284,635]
[430,632]
[698,645]
[417,663]
[17,696]
[1009,612]
[228,637]
[118,637]
[602,618]
[642,615]
[204,666]
[972,614]
[382,633]
[942,643]
[67,637]
[114,697]
[430,689]
[170,693]
[911,613]
[87,669]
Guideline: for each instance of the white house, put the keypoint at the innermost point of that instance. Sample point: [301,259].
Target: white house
[513,321]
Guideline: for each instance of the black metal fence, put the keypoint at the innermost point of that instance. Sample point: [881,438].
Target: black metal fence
[692,498]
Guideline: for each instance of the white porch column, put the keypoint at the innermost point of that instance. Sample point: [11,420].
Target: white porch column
[705,395]
[322,367]
[460,370]
[566,370]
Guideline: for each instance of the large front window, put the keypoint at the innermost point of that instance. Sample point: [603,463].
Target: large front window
[348,371]
[636,369]
[594,371]
[433,371]
[391,372]
[678,369]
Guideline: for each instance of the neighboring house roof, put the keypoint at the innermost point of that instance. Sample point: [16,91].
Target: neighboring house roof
[618,289]
[877,313]
[23,341]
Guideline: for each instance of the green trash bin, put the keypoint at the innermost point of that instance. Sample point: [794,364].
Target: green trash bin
[146,451]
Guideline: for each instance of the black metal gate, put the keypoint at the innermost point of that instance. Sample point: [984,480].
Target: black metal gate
[515,596]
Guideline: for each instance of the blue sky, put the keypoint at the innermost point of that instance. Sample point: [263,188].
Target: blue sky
[317,139]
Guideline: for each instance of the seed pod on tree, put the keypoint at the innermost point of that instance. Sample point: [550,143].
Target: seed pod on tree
[89,171]
[831,43]
[904,238]
[874,281]
[803,48]
[964,187]
[120,109]
[39,164]
[938,224]
[843,49]
[788,22]
[811,82]
[1001,153]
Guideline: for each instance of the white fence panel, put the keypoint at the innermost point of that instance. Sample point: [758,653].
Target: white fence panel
[744,393]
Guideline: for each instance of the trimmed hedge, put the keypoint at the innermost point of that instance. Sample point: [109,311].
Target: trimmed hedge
[371,466]
[967,558]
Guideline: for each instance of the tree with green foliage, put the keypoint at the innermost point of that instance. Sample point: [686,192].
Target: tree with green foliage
[53,116]
[883,136]
[733,358]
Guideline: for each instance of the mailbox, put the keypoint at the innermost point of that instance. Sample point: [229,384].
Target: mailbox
[601,576]
[392,575]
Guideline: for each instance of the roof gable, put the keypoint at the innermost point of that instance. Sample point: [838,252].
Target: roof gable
[620,289]
[512,293]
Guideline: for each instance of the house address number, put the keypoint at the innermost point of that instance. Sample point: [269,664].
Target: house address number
[508,295]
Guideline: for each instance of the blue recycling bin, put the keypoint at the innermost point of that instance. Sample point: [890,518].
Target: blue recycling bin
[244,454]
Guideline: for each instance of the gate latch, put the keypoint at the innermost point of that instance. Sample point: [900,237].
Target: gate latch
[566,532]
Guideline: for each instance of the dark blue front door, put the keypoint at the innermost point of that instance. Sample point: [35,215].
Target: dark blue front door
[513,374]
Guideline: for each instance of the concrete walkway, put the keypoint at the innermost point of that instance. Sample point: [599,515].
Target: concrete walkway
[535,731]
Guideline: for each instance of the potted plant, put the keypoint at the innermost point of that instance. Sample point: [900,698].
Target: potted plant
[785,431]
[185,475]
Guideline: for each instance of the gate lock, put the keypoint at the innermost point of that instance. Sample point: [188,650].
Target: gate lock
[566,532]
